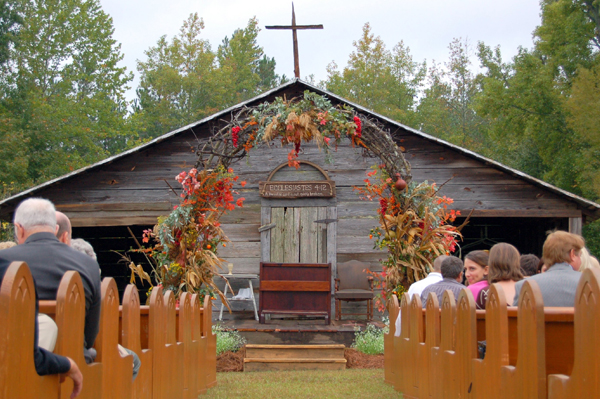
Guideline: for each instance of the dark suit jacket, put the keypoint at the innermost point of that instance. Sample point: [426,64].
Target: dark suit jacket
[49,260]
[558,285]
[45,362]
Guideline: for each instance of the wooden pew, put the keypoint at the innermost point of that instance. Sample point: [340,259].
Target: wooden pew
[18,378]
[424,351]
[559,337]
[584,380]
[528,378]
[157,343]
[211,344]
[416,338]
[399,366]
[486,373]
[388,341]
[70,318]
[184,367]
[175,350]
[190,355]
[438,375]
[197,320]
[131,339]
[117,374]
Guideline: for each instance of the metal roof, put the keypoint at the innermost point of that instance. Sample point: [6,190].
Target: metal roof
[590,208]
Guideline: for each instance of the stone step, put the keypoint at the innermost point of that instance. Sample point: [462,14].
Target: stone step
[294,357]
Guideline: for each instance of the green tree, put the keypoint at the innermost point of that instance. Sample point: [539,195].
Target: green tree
[64,89]
[244,70]
[9,24]
[386,82]
[177,81]
[183,80]
[447,108]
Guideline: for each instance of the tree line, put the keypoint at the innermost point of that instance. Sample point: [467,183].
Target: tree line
[63,105]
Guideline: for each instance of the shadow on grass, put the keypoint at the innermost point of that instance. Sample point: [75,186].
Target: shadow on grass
[310,384]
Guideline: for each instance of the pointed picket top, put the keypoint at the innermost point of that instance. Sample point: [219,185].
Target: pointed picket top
[393,310]
[528,378]
[432,320]
[416,317]
[496,326]
[405,312]
[447,322]
[486,374]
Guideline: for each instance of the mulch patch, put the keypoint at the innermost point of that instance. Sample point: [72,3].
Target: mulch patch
[359,360]
[231,361]
[234,361]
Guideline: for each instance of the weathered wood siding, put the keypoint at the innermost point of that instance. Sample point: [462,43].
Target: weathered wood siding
[134,190]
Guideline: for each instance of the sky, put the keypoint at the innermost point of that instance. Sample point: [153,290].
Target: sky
[426,27]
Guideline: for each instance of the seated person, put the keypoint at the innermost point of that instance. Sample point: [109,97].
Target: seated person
[476,271]
[417,287]
[47,362]
[47,328]
[588,261]
[452,273]
[561,252]
[49,260]
[529,265]
[505,270]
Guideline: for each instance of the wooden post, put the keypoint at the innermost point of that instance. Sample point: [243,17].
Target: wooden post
[131,333]
[486,373]
[576,225]
[528,378]
[117,371]
[70,318]
[439,376]
[388,341]
[432,340]
[197,316]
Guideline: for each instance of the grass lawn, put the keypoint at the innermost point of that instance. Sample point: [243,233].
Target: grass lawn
[313,384]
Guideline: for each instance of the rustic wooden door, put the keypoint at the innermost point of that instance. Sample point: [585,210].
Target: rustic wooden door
[299,235]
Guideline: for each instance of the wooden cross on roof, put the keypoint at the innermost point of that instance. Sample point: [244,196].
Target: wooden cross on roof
[294,28]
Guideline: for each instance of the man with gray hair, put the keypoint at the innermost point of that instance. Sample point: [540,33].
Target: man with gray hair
[49,259]
[452,272]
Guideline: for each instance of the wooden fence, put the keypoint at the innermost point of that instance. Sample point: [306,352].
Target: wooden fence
[178,357]
[532,351]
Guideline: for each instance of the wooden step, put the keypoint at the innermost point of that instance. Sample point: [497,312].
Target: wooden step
[294,357]
[295,351]
[293,364]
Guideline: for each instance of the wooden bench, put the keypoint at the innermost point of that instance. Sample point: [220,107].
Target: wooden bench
[302,289]
[18,378]
[439,348]
[179,341]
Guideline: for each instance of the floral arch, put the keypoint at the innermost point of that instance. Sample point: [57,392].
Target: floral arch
[414,221]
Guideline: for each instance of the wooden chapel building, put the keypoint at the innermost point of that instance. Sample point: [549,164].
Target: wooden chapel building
[115,199]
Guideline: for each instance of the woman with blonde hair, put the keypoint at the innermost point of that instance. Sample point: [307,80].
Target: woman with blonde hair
[505,270]
[587,260]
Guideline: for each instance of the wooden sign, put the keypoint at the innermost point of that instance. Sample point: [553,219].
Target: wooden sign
[297,189]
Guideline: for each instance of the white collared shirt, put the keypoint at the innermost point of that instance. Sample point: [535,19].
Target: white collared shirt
[417,288]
